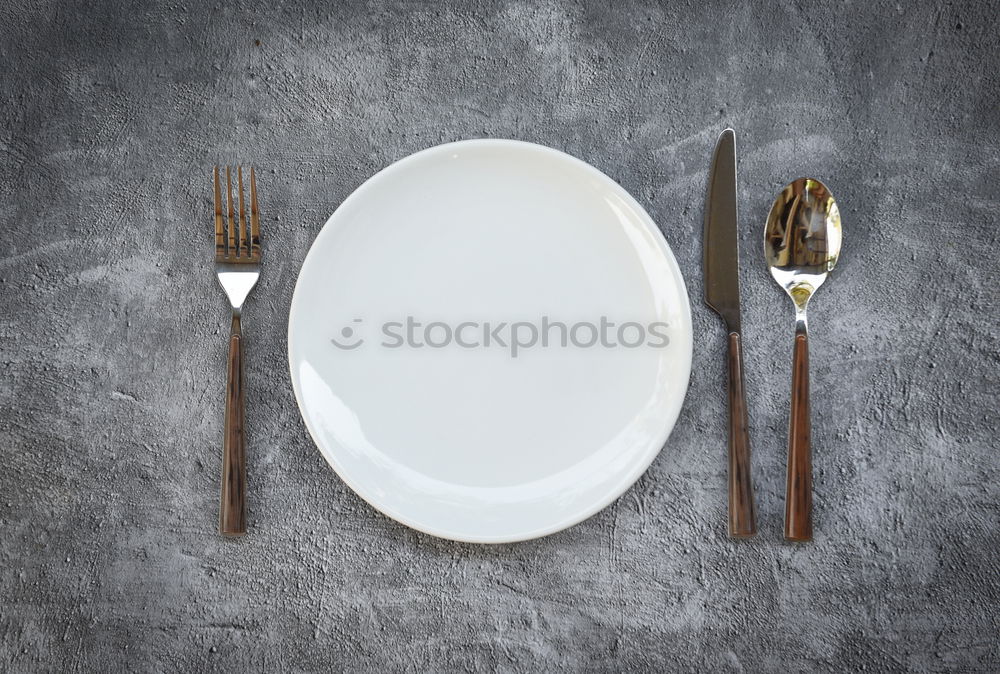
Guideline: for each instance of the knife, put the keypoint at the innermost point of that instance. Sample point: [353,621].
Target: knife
[722,293]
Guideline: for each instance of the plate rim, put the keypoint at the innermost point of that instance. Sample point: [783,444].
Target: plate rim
[639,467]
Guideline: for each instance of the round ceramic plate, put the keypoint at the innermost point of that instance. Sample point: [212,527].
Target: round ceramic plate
[490,341]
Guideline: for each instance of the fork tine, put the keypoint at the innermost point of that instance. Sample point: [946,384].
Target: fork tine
[220,237]
[233,250]
[244,241]
[254,216]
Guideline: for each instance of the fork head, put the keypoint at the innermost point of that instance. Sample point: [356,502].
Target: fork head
[237,246]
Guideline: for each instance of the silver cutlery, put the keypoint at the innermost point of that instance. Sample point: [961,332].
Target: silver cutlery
[722,293]
[801,245]
[237,264]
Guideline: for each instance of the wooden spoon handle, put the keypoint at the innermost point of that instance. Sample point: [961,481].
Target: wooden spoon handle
[742,516]
[798,490]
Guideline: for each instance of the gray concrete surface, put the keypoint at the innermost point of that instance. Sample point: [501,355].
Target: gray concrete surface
[112,336]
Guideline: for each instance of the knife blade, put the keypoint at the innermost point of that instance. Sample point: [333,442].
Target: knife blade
[722,263]
[722,293]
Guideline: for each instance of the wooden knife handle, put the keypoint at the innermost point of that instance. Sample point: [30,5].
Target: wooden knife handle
[233,509]
[798,490]
[742,514]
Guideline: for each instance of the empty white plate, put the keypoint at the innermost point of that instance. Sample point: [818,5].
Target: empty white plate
[490,341]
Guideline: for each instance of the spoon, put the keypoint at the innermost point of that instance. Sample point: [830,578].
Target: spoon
[801,246]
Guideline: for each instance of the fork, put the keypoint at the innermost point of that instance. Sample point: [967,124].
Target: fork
[237,264]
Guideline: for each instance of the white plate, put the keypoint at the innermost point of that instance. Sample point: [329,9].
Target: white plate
[487,443]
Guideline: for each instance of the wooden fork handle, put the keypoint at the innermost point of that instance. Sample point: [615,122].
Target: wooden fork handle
[742,514]
[233,511]
[798,490]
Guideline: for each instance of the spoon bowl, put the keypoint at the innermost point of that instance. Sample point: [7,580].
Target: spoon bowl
[802,240]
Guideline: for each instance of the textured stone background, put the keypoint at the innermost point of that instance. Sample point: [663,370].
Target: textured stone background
[112,336]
